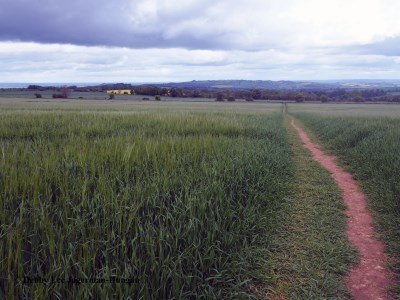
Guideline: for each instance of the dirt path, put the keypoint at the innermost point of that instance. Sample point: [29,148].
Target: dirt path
[369,279]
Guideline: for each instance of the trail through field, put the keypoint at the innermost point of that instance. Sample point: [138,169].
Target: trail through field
[369,279]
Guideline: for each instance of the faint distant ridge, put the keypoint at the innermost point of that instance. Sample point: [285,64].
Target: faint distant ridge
[24,85]
[283,84]
[304,85]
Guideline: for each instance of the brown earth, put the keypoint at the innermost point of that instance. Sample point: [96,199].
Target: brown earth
[369,279]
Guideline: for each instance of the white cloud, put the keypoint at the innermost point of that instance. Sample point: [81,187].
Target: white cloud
[265,24]
[32,62]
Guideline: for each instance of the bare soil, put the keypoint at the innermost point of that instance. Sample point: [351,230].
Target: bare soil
[369,279]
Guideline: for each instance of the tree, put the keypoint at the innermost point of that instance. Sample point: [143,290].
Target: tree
[164,92]
[300,98]
[157,98]
[256,94]
[174,93]
[324,98]
[219,97]
[37,95]
[231,98]
[196,94]
[111,97]
[65,92]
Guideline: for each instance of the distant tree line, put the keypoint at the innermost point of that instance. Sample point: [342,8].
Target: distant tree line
[336,95]
[333,95]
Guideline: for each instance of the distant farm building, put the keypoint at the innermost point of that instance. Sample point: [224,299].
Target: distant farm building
[120,92]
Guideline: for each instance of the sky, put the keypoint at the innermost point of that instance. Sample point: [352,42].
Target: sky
[182,40]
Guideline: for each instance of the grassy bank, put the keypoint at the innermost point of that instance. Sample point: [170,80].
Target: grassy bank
[179,204]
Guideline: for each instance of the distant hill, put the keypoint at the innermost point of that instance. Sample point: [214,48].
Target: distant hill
[361,84]
[282,85]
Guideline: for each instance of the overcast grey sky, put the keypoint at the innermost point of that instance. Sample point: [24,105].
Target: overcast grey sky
[165,40]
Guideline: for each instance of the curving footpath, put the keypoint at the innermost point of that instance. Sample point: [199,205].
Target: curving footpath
[369,279]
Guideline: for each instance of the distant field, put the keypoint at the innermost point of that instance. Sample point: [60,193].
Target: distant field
[123,106]
[88,96]
[351,110]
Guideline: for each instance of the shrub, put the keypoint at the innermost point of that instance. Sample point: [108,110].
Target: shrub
[111,97]
[231,98]
[324,98]
[157,98]
[220,97]
[300,98]
[37,95]
[65,92]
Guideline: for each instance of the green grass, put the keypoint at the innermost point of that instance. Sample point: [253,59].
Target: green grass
[182,204]
[311,253]
[369,147]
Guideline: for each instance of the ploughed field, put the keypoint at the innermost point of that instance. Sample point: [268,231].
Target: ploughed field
[174,200]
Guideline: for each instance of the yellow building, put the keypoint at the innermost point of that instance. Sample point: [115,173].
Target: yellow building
[120,92]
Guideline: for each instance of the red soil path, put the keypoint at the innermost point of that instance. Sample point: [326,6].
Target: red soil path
[369,279]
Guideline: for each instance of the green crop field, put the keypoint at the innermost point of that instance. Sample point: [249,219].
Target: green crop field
[179,203]
[184,200]
[367,140]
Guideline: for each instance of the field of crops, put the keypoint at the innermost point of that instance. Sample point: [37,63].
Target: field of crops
[185,200]
[368,145]
[178,204]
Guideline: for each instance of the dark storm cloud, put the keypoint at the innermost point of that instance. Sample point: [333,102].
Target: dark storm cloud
[75,22]
[120,23]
